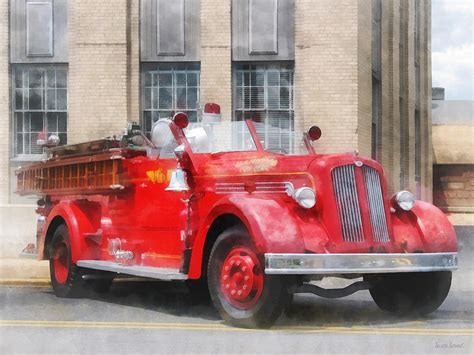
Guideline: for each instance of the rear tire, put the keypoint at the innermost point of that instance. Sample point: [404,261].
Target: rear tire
[241,292]
[418,293]
[66,277]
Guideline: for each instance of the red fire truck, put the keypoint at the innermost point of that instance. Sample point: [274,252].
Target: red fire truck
[219,205]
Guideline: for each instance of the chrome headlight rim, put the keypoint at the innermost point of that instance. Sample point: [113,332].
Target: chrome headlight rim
[305,197]
[404,200]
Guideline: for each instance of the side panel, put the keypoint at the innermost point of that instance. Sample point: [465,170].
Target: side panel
[272,226]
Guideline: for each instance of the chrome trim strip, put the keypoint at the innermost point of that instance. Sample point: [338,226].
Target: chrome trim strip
[260,187]
[143,271]
[304,264]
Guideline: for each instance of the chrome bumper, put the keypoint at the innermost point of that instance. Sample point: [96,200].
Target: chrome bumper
[307,264]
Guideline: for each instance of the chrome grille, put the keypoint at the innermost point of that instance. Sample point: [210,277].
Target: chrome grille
[376,207]
[344,183]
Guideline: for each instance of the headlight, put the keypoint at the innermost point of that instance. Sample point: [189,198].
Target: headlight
[405,200]
[305,196]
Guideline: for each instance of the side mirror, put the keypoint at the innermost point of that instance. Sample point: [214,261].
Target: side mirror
[314,133]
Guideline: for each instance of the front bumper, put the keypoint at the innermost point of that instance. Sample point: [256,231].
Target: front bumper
[317,264]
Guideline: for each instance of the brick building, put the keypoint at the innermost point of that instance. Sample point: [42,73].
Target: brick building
[453,147]
[361,70]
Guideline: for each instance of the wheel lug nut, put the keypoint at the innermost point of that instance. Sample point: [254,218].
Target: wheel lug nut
[232,262]
[226,277]
[244,287]
[238,263]
[227,286]
[227,268]
[239,293]
[246,278]
[232,292]
[244,268]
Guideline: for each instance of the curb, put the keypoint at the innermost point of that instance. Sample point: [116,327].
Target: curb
[25,282]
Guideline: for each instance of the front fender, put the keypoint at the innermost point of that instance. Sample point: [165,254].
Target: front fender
[437,233]
[269,222]
[425,228]
[78,222]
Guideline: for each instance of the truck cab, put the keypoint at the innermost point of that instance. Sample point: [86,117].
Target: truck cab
[252,223]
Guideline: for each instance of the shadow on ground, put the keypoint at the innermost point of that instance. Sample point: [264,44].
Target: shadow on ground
[173,298]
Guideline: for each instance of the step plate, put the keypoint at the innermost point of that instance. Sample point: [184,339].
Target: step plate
[143,271]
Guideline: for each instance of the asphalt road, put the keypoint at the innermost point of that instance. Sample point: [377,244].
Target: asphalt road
[155,317]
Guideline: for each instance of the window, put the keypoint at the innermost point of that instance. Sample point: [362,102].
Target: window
[39,104]
[169,88]
[264,93]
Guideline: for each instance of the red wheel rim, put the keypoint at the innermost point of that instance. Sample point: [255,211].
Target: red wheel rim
[241,278]
[60,263]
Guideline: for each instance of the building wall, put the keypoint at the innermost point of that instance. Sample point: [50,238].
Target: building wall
[4,104]
[453,191]
[103,68]
[332,80]
[327,72]
[216,55]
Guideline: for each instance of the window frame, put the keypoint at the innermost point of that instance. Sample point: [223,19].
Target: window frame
[147,68]
[268,65]
[14,155]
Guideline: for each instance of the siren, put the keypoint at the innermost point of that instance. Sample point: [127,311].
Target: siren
[212,113]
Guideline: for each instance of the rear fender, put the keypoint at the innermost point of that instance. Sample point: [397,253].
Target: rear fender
[80,218]
[270,224]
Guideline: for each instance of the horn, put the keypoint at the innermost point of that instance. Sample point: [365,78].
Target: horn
[178,181]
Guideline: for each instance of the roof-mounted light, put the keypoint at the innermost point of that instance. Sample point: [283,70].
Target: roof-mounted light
[181,120]
[314,133]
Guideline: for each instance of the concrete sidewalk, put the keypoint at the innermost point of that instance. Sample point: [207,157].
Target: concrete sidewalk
[20,271]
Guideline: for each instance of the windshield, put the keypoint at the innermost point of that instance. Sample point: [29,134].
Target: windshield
[234,136]
[227,136]
[281,140]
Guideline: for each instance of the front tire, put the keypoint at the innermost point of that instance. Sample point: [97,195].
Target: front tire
[418,293]
[242,293]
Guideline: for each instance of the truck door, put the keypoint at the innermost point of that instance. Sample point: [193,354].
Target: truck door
[160,215]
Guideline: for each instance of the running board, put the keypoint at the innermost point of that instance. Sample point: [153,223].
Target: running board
[142,271]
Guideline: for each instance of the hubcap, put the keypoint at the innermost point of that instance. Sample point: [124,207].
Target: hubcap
[242,278]
[60,262]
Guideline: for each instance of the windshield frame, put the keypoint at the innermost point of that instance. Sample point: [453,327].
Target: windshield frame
[181,137]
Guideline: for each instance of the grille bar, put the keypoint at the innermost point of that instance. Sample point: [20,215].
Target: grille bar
[347,200]
[376,207]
